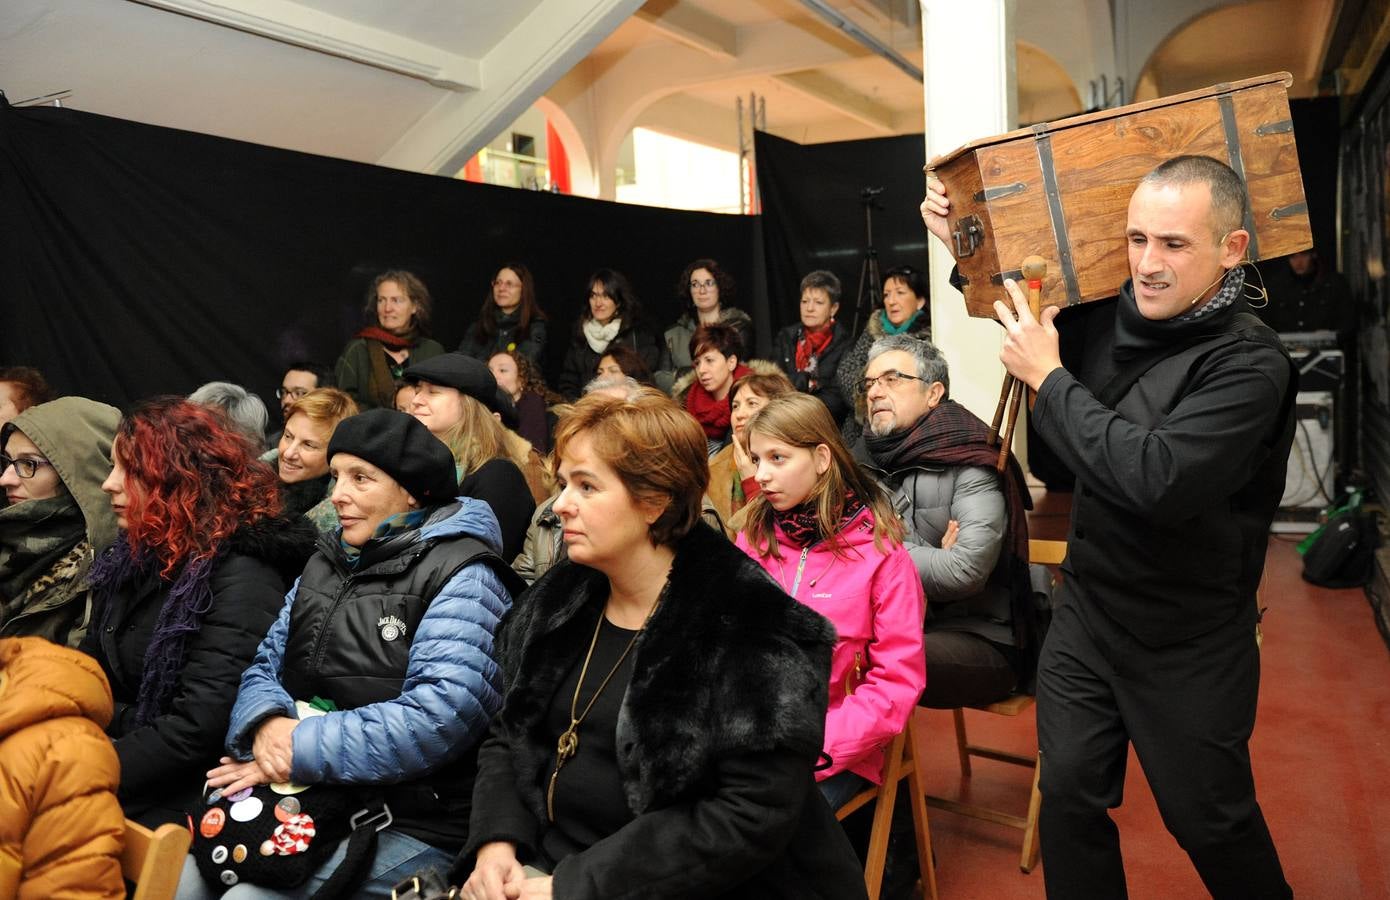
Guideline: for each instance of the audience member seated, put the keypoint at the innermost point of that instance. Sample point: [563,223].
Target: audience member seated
[731,482]
[299,379]
[301,460]
[623,362]
[810,351]
[510,319]
[397,313]
[706,295]
[520,380]
[53,459]
[905,293]
[20,388]
[455,398]
[61,827]
[414,701]
[718,354]
[967,530]
[679,764]
[828,535]
[405,396]
[189,588]
[612,318]
[243,409]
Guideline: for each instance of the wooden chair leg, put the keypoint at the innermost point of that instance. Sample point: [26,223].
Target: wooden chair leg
[1031,848]
[921,825]
[878,837]
[962,749]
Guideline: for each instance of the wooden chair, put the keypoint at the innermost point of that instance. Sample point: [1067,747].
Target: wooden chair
[153,860]
[1048,553]
[899,762]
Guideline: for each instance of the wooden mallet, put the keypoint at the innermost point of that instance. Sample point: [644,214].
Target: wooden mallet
[1034,269]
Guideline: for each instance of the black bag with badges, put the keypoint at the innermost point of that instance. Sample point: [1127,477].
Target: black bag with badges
[271,837]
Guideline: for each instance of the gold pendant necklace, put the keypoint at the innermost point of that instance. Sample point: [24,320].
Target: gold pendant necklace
[568,744]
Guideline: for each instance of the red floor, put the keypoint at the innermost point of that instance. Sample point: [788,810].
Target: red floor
[1319,754]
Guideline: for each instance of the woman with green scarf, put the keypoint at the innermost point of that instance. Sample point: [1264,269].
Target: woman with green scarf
[904,311]
[53,459]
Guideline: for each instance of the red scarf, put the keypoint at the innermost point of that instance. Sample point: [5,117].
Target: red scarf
[712,414]
[812,344]
[385,338]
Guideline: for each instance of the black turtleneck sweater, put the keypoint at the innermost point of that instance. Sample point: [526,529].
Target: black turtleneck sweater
[1178,482]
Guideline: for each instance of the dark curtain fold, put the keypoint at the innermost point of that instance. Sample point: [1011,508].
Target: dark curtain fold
[139,260]
[813,217]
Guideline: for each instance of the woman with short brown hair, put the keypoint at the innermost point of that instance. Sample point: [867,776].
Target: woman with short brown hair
[664,700]
[397,314]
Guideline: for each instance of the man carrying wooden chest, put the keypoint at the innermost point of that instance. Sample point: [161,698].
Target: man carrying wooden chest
[1177,421]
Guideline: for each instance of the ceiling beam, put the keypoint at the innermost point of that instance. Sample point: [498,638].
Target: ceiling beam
[818,86]
[521,67]
[687,24]
[291,23]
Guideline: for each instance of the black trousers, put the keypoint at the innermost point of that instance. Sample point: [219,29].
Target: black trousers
[1189,710]
[965,670]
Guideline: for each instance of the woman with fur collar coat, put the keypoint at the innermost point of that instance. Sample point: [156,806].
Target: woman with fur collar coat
[665,702]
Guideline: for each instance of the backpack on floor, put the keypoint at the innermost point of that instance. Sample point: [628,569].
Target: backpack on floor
[1342,553]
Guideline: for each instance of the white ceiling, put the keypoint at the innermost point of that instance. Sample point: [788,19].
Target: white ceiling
[422,84]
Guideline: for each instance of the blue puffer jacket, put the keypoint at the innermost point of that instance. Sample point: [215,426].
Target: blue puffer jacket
[451,685]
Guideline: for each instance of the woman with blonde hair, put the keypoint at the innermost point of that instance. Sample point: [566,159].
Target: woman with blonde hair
[455,398]
[301,457]
[664,702]
[826,533]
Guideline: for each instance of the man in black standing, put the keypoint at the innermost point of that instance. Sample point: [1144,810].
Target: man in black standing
[1178,423]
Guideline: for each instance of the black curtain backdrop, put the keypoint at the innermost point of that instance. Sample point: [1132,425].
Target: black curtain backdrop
[137,260]
[813,217]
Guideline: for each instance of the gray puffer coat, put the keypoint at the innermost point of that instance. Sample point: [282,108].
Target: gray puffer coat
[961,594]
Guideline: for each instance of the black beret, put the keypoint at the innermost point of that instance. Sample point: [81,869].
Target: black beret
[400,446]
[464,373]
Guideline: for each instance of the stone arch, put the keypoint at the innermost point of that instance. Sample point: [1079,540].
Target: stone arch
[583,175]
[1046,91]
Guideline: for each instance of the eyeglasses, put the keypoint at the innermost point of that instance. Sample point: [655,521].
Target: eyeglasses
[891,379]
[706,285]
[24,466]
[282,392]
[499,283]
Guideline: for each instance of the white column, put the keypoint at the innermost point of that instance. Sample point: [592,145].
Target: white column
[968,59]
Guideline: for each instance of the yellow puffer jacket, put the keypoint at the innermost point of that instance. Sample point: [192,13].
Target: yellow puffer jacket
[61,828]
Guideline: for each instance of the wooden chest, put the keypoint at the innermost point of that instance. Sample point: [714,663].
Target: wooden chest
[1061,189]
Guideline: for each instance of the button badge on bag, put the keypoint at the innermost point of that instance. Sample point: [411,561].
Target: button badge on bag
[219,855]
[286,808]
[212,823]
[248,809]
[391,628]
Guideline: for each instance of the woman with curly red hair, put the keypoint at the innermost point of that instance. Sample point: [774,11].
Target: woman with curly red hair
[185,594]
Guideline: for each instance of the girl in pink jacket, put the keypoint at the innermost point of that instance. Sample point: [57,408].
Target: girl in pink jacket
[826,533]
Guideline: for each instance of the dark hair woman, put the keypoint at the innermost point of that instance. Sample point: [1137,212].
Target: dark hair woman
[665,701]
[810,351]
[520,379]
[420,568]
[620,361]
[190,586]
[905,293]
[510,318]
[705,292]
[612,317]
[731,482]
[53,459]
[397,313]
